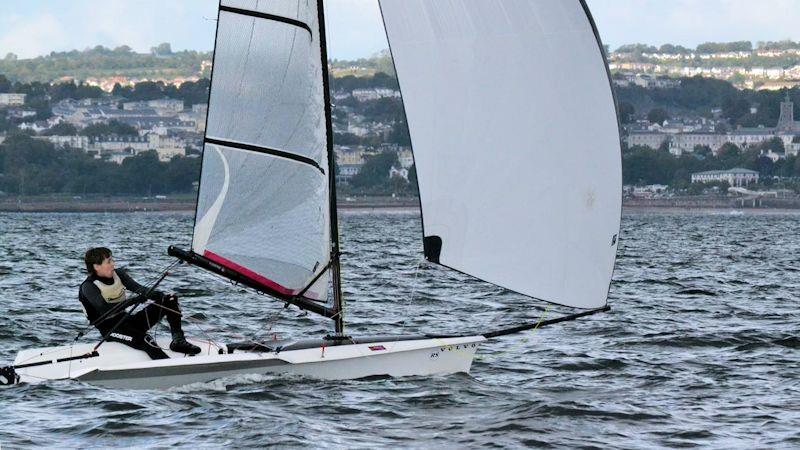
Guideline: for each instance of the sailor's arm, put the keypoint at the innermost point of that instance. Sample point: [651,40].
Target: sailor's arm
[133,286]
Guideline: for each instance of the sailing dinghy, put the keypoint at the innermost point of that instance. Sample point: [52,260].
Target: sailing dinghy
[516,143]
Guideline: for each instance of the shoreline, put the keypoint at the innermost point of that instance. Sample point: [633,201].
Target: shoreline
[122,205]
[410,204]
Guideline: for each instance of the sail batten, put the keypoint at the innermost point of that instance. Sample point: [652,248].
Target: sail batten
[265,150]
[516,143]
[261,15]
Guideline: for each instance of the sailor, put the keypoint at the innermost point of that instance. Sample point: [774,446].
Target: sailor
[106,287]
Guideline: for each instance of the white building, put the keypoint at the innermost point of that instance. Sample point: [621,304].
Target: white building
[166,106]
[734,177]
[166,147]
[401,172]
[680,141]
[119,157]
[347,171]
[406,158]
[81,142]
[107,145]
[363,95]
[200,109]
[9,99]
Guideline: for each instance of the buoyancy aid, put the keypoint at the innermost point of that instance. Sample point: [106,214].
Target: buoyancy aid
[112,293]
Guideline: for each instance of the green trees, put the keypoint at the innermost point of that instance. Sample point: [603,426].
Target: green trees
[29,167]
[348,83]
[163,49]
[78,91]
[112,127]
[191,92]
[701,96]
[657,115]
[735,108]
[101,62]
[643,165]
[62,129]
[375,170]
[626,112]
[723,47]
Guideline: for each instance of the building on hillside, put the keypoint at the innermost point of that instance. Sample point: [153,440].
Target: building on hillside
[11,99]
[363,95]
[786,122]
[119,157]
[684,139]
[107,145]
[36,127]
[79,142]
[166,147]
[347,155]
[406,158]
[198,115]
[159,125]
[402,172]
[347,171]
[735,177]
[349,161]
[166,106]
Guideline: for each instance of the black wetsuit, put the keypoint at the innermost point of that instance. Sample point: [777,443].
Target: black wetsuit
[133,331]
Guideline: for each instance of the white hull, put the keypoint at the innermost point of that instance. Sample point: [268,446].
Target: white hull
[120,366]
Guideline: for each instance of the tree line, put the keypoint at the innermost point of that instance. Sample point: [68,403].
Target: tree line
[643,165]
[710,47]
[100,61]
[31,166]
[700,96]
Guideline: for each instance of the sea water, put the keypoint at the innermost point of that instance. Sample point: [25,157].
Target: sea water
[701,346]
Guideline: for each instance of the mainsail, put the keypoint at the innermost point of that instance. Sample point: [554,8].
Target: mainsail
[264,202]
[516,142]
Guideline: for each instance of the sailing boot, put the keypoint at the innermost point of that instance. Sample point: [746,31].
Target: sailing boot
[181,345]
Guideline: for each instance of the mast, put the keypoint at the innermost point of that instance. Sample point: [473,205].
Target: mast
[338,304]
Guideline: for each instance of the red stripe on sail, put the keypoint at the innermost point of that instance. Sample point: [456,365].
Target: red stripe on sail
[249,273]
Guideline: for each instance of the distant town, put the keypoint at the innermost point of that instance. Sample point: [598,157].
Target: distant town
[716,121]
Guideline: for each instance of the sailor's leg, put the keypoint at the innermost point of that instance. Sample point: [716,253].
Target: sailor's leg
[138,339]
[152,314]
[169,307]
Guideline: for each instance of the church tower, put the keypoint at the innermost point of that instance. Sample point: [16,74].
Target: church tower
[786,120]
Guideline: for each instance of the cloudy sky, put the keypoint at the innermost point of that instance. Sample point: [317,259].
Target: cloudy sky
[35,27]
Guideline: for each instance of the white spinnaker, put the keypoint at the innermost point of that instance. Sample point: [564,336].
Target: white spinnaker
[263,207]
[515,139]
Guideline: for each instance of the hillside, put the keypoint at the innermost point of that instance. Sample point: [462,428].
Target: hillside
[100,62]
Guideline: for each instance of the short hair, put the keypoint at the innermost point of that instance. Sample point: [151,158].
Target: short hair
[95,256]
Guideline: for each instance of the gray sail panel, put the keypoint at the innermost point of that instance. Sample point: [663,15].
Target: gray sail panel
[516,142]
[267,87]
[264,197]
[263,216]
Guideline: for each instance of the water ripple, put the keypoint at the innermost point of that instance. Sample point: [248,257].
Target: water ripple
[700,348]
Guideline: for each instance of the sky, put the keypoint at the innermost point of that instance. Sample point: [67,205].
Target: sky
[31,28]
